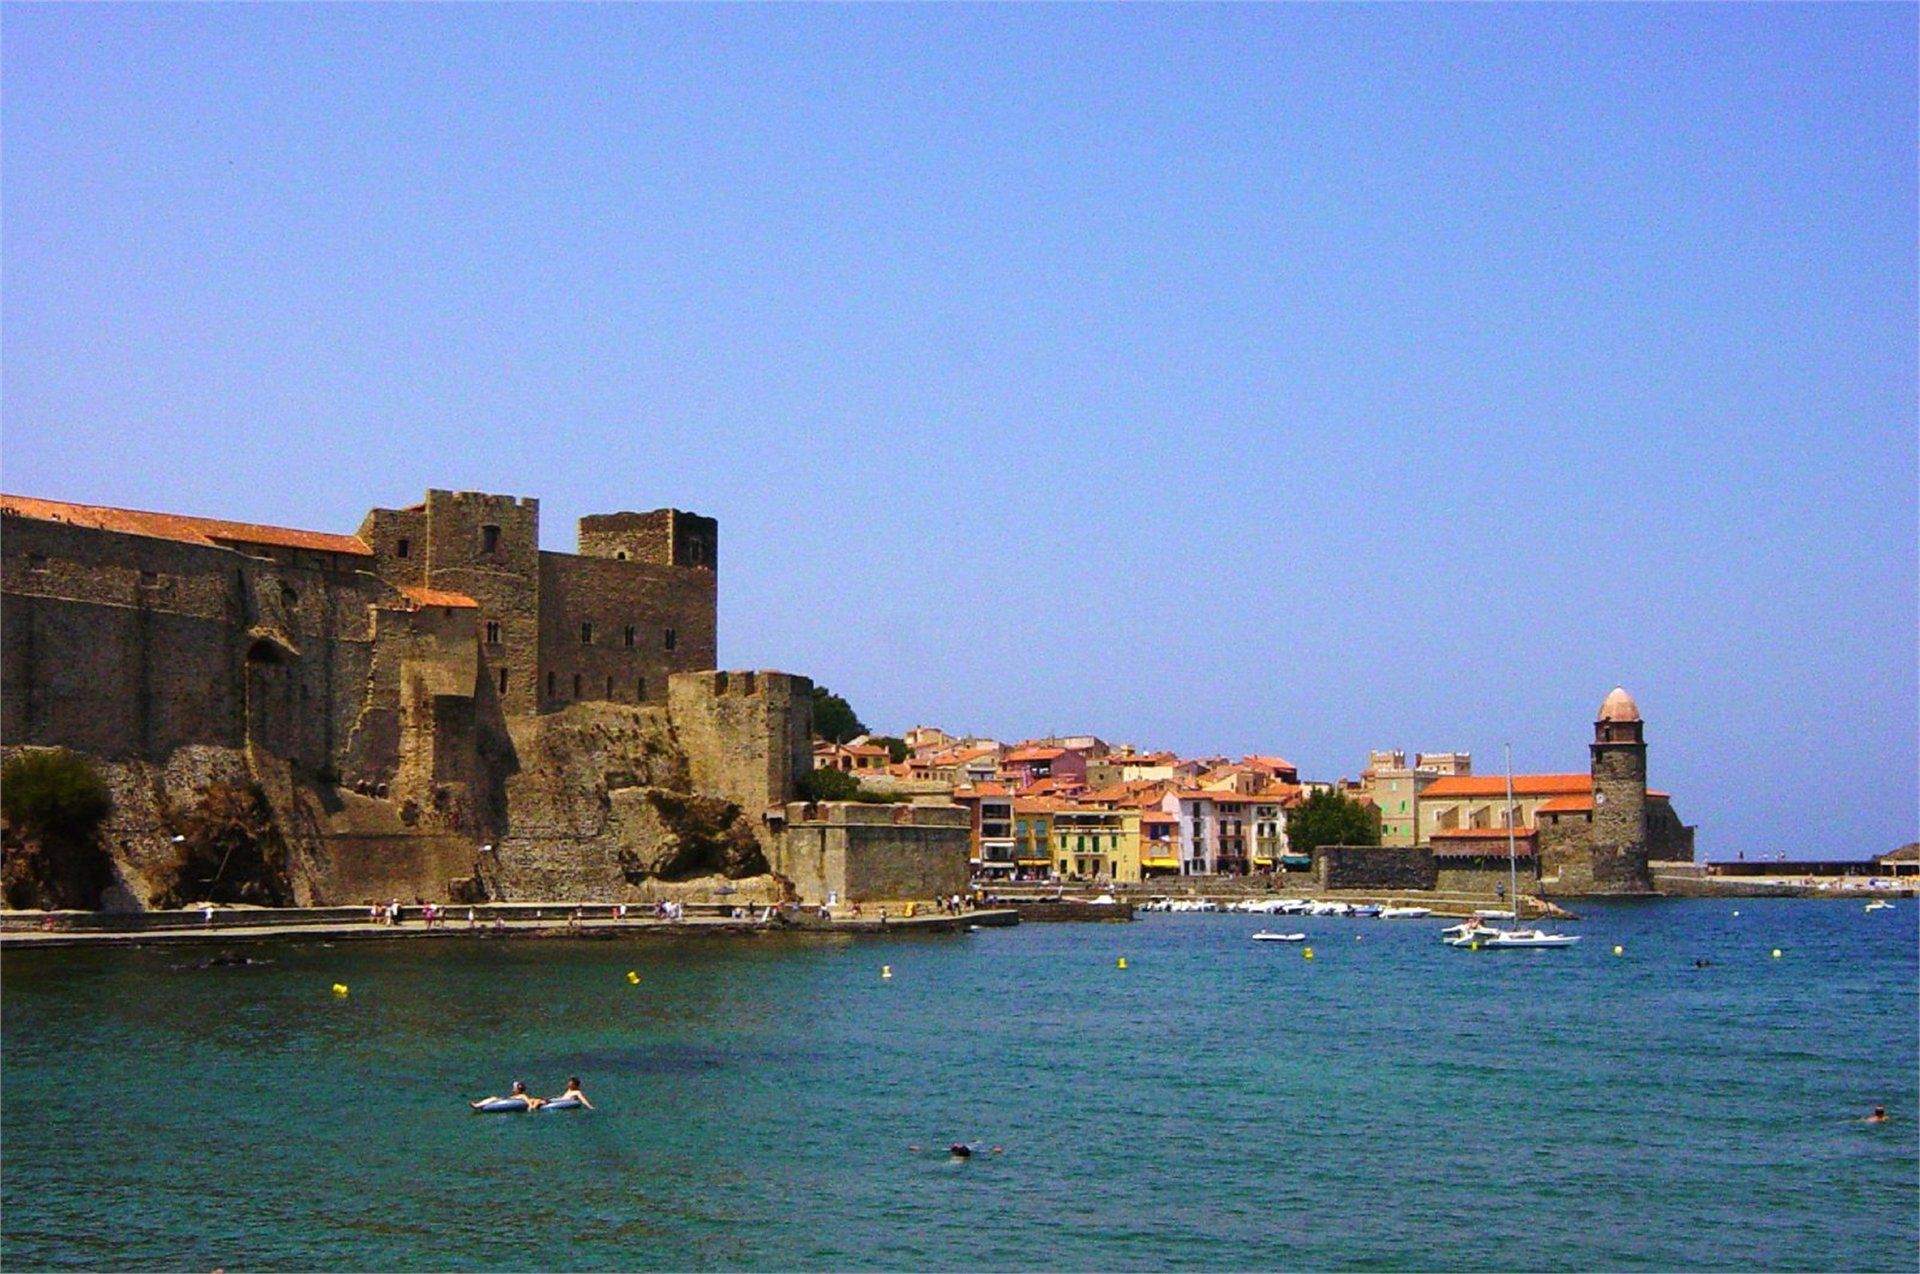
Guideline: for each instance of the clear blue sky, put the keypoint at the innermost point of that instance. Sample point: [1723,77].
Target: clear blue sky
[1227,379]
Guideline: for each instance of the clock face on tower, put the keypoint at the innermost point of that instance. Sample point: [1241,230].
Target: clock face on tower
[1599,798]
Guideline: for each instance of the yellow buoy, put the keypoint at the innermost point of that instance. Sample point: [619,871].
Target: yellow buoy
[886,971]
[1307,953]
[339,988]
[1776,953]
[633,977]
[1121,963]
[1619,950]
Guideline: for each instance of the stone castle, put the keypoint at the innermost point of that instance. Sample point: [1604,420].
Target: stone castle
[432,707]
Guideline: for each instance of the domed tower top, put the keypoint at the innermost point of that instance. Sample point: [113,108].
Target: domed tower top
[1619,720]
[1619,706]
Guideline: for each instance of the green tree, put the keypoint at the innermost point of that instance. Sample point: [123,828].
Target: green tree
[897,749]
[1328,818]
[833,717]
[53,802]
[830,785]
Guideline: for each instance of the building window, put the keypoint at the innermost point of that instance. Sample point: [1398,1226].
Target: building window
[493,632]
[489,539]
[640,688]
[503,681]
[621,556]
[673,639]
[586,634]
[609,687]
[632,636]
[576,685]
[402,547]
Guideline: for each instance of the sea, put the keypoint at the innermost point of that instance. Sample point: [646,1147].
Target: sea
[1683,1090]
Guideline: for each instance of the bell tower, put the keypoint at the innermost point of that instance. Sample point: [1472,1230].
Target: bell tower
[1619,847]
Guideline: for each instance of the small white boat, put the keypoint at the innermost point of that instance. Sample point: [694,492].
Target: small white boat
[1405,913]
[1515,939]
[1467,933]
[1264,936]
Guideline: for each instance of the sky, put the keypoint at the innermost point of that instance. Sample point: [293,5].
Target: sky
[1228,379]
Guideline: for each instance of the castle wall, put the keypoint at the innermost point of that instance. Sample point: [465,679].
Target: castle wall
[647,621]
[873,853]
[1373,867]
[127,646]
[748,736]
[663,537]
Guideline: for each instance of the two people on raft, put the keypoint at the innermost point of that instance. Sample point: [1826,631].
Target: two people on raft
[520,1093]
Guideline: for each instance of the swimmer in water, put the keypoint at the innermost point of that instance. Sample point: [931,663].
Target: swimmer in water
[1879,1116]
[573,1091]
[960,1150]
[520,1092]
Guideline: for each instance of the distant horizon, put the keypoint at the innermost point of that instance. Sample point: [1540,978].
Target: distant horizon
[1229,379]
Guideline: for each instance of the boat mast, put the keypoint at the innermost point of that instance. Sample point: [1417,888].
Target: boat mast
[1513,858]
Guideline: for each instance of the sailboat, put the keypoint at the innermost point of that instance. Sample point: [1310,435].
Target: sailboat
[1494,939]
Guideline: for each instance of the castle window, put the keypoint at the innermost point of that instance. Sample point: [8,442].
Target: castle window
[489,539]
[673,639]
[503,681]
[550,685]
[288,597]
[609,687]
[632,635]
[38,562]
[640,688]
[576,685]
[493,632]
[402,547]
[620,556]
[586,634]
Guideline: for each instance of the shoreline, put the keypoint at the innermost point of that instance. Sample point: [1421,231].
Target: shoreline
[280,925]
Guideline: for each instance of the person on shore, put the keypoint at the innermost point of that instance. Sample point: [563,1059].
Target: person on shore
[1879,1116]
[573,1093]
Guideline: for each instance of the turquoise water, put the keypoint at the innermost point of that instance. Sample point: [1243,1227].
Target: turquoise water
[1219,1104]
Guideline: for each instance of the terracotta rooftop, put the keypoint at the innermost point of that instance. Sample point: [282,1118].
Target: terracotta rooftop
[1496,785]
[435,597]
[1568,805]
[210,532]
[1035,754]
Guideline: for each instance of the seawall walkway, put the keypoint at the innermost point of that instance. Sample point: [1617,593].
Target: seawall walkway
[35,929]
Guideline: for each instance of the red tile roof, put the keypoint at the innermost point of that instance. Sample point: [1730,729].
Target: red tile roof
[1567,805]
[435,597]
[1496,785]
[171,526]
[1035,754]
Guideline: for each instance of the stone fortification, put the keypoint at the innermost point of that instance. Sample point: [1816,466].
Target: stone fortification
[1373,867]
[874,853]
[431,708]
